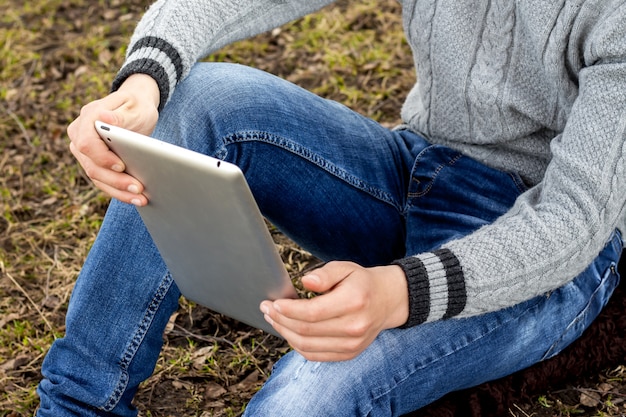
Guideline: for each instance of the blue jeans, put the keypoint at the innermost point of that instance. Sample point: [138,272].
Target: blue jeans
[343,187]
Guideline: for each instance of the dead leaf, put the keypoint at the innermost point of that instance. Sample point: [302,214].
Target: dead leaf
[201,355]
[605,387]
[8,319]
[170,324]
[81,70]
[590,398]
[15,363]
[49,201]
[181,385]
[109,14]
[247,383]
[213,391]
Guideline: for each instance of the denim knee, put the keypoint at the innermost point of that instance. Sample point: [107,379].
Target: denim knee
[216,100]
[303,388]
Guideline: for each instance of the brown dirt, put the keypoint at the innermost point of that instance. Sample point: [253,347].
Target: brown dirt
[59,54]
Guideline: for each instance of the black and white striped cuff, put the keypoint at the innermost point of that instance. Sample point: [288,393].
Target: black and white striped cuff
[436,286]
[157,58]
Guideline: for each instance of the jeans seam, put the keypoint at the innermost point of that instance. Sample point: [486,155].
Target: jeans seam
[455,351]
[312,157]
[608,273]
[134,344]
[616,239]
[519,183]
[453,159]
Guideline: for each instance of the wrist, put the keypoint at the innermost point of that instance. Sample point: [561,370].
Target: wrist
[144,86]
[396,290]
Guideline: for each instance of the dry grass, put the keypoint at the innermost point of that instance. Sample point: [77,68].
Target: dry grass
[56,55]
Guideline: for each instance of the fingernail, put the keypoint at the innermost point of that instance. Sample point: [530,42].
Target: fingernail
[117,168]
[136,202]
[313,278]
[268,319]
[276,307]
[265,309]
[133,189]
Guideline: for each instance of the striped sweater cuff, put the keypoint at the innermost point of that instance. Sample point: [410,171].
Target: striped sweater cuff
[436,286]
[156,58]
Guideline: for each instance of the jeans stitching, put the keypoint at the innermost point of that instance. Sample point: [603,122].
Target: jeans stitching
[413,369]
[519,183]
[582,315]
[453,159]
[618,243]
[609,272]
[312,157]
[136,341]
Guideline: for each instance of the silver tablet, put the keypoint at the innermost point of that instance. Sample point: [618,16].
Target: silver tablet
[206,224]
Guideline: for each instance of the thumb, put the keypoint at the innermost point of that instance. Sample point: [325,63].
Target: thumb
[328,276]
[111,117]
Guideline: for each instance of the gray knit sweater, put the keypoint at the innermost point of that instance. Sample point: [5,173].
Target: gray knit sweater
[532,86]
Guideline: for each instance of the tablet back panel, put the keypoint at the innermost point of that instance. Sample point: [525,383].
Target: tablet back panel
[206,225]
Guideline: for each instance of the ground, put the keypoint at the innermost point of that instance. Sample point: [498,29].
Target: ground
[56,55]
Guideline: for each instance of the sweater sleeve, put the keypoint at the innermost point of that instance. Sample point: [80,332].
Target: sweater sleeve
[173,35]
[557,228]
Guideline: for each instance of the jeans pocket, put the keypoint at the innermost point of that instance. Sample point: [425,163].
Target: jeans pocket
[595,285]
[451,195]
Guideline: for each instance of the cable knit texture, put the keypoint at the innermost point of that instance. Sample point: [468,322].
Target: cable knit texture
[531,86]
[487,75]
